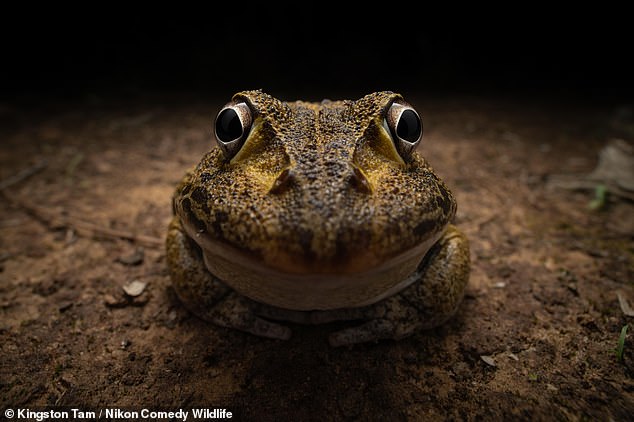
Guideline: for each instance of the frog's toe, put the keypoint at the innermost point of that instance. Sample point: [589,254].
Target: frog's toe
[235,312]
[254,325]
[264,328]
[374,330]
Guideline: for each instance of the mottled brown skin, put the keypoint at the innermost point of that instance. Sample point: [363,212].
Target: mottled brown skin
[317,192]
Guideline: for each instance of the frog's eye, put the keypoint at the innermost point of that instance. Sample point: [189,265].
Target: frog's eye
[233,124]
[405,126]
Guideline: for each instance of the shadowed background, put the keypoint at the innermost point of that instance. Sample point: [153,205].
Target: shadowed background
[320,53]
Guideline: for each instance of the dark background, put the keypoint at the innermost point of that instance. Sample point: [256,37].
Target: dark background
[320,53]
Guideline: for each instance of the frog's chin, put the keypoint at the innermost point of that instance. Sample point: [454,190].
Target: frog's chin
[311,289]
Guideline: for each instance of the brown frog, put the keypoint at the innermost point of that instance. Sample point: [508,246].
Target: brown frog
[316,212]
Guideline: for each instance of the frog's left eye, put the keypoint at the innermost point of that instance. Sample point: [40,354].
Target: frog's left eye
[233,124]
[406,127]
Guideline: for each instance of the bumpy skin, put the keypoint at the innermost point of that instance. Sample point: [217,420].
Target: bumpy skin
[317,188]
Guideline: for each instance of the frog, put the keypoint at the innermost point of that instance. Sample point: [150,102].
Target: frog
[313,213]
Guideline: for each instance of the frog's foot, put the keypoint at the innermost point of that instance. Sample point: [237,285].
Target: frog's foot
[425,304]
[393,318]
[384,321]
[207,296]
[236,311]
[224,307]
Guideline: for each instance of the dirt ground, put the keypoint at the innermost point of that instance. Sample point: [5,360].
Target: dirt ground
[534,339]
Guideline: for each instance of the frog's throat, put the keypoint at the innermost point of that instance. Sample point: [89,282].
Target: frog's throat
[311,291]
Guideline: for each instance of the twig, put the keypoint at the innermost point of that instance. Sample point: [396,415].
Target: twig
[95,231]
[58,219]
[22,175]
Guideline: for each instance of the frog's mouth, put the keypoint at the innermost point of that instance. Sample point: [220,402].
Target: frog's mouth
[309,289]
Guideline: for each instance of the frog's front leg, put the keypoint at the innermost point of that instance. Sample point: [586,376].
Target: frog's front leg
[425,304]
[208,297]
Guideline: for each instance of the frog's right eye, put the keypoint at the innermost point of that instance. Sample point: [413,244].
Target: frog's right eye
[233,124]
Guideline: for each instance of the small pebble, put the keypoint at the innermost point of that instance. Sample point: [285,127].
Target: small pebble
[134,288]
[115,302]
[488,360]
[135,258]
[65,306]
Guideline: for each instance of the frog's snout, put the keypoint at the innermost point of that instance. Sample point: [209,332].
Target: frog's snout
[354,178]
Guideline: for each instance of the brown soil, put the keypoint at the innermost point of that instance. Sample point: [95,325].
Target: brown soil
[541,304]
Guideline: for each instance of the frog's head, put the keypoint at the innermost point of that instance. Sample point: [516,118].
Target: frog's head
[326,188]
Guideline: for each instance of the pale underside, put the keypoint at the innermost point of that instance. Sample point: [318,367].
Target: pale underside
[310,290]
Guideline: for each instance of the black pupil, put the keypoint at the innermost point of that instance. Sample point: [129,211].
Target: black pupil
[228,125]
[409,126]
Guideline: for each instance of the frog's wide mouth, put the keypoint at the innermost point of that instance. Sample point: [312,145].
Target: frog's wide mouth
[311,288]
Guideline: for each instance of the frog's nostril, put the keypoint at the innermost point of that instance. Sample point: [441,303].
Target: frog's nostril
[359,181]
[283,182]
